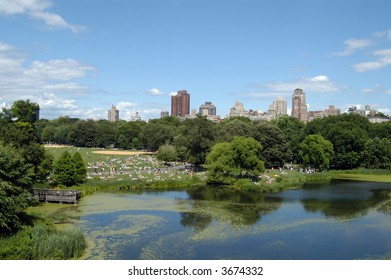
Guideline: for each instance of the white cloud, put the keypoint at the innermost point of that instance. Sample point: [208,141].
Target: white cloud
[320,78]
[173,93]
[37,9]
[351,45]
[51,101]
[388,91]
[319,83]
[375,88]
[384,59]
[49,83]
[5,47]
[125,105]
[154,91]
[58,69]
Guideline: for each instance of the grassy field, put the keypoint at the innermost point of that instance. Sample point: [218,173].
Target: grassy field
[120,166]
[363,177]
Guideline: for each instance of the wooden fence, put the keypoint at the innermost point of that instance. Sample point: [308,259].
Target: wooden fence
[49,195]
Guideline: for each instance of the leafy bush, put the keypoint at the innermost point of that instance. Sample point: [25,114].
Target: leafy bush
[42,242]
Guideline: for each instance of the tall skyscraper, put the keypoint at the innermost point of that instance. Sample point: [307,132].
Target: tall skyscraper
[180,104]
[299,106]
[113,114]
[279,108]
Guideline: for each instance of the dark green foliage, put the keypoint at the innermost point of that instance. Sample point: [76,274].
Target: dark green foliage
[127,133]
[275,148]
[293,131]
[377,153]
[234,127]
[64,172]
[43,242]
[13,168]
[13,201]
[25,111]
[69,170]
[198,137]
[105,134]
[80,169]
[83,133]
[16,178]
[155,134]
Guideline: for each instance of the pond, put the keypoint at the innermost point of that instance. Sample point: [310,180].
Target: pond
[339,220]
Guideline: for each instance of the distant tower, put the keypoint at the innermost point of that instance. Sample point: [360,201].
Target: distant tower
[237,110]
[207,109]
[299,106]
[113,114]
[280,106]
[180,104]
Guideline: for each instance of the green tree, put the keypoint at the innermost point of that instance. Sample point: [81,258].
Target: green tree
[16,178]
[80,168]
[293,130]
[83,133]
[64,171]
[25,111]
[156,133]
[275,148]
[105,134]
[127,132]
[347,133]
[234,126]
[229,161]
[316,151]
[197,137]
[48,133]
[167,153]
[377,153]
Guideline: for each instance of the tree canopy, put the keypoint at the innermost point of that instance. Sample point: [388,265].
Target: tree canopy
[229,161]
[317,152]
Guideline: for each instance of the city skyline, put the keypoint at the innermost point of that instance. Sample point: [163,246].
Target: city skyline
[62,56]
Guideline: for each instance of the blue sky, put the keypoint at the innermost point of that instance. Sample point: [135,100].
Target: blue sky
[78,57]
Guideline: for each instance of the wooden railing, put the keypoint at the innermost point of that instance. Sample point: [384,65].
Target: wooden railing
[50,195]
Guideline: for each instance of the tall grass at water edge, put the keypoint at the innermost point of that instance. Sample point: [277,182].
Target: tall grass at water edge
[42,242]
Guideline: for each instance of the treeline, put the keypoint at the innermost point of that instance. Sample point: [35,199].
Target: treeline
[355,141]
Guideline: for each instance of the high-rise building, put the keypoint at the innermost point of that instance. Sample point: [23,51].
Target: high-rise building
[332,111]
[180,104]
[278,108]
[113,114]
[207,109]
[237,110]
[299,106]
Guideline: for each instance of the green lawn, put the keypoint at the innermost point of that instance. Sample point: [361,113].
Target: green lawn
[364,177]
[117,167]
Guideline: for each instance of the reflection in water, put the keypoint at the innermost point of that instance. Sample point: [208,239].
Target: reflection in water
[238,208]
[347,208]
[318,222]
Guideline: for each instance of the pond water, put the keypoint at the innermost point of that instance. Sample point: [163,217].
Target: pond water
[340,220]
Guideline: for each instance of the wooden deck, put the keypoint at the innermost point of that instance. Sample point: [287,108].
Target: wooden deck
[49,195]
